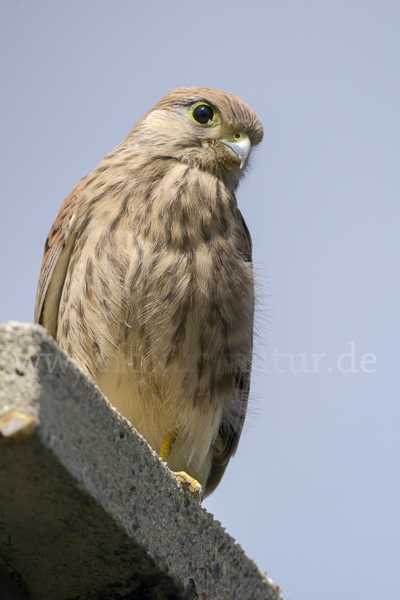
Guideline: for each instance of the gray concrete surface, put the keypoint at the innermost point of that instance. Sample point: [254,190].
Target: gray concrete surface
[87,509]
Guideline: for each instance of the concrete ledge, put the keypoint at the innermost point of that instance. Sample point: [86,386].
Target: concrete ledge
[87,509]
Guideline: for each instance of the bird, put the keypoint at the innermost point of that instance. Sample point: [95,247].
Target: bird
[147,280]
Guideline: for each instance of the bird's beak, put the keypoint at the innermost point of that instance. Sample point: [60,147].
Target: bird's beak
[240,149]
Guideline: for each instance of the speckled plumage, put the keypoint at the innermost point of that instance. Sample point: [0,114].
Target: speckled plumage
[147,280]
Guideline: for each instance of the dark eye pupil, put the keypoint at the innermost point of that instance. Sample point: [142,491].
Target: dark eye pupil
[203,113]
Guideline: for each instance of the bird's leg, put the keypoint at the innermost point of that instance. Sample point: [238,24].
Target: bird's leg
[190,483]
[167,446]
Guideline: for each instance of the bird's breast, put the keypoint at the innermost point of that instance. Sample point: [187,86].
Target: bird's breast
[186,331]
[170,318]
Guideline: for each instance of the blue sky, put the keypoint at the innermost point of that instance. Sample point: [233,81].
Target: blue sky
[313,492]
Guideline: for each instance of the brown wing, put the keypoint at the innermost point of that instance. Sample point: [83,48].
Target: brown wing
[229,432]
[57,253]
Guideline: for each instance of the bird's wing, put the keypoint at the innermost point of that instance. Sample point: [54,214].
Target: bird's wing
[57,254]
[229,432]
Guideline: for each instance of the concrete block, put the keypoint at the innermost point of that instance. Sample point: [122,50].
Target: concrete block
[87,509]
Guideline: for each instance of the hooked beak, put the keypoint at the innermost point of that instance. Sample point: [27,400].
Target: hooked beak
[239,150]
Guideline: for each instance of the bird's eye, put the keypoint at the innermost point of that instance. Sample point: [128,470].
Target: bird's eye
[202,114]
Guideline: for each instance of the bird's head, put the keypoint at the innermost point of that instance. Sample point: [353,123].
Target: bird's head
[204,127]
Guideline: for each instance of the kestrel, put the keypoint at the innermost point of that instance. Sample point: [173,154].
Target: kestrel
[147,279]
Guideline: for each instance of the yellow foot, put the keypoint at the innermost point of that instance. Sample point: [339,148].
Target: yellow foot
[190,484]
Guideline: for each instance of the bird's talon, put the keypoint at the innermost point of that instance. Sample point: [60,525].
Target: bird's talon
[191,484]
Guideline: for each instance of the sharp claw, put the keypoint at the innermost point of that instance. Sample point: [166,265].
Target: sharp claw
[191,484]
